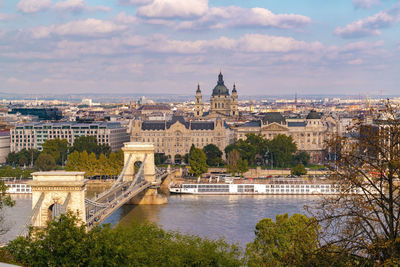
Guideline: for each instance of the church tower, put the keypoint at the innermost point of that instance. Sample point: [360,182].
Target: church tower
[234,104]
[198,106]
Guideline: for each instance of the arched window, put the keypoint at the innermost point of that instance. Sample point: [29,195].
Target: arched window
[222,105]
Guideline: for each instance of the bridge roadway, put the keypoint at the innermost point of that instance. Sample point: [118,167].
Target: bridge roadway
[103,205]
[96,214]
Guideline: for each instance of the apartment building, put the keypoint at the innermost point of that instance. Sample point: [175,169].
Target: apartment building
[33,135]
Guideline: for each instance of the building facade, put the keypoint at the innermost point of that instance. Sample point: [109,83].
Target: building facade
[222,104]
[308,133]
[33,135]
[176,136]
[4,145]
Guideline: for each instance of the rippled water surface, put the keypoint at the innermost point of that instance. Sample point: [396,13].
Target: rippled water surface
[233,217]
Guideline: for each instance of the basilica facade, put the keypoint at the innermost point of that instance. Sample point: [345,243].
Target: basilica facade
[222,104]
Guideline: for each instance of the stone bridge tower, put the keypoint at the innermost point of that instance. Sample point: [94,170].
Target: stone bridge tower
[138,151]
[56,192]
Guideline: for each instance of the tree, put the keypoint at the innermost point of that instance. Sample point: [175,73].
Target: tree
[45,162]
[301,157]
[160,158]
[65,242]
[23,157]
[213,154]
[197,162]
[364,220]
[89,144]
[5,201]
[298,170]
[242,166]
[282,148]
[232,161]
[289,241]
[88,163]
[57,148]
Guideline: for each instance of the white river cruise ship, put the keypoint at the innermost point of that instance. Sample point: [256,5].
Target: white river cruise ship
[264,187]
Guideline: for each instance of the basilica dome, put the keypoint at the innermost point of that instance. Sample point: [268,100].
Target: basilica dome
[220,88]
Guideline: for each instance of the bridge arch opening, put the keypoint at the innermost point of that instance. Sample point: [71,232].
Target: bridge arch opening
[137,165]
[53,211]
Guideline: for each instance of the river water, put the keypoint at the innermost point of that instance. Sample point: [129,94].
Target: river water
[232,217]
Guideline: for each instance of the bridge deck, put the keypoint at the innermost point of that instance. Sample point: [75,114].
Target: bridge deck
[113,201]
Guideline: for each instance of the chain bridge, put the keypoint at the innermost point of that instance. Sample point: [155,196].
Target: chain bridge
[55,192]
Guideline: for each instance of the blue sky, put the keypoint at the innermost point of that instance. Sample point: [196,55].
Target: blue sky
[168,46]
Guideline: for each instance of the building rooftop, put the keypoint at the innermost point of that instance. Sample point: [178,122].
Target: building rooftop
[271,117]
[313,115]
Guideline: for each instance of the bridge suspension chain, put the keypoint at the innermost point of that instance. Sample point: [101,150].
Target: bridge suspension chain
[96,204]
[34,214]
[121,175]
[140,174]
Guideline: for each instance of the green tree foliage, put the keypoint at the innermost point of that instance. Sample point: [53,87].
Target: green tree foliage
[242,166]
[23,157]
[5,201]
[282,148]
[45,162]
[289,241]
[160,158]
[89,143]
[197,162]
[232,161]
[8,171]
[57,148]
[91,165]
[301,157]
[298,170]
[213,154]
[63,243]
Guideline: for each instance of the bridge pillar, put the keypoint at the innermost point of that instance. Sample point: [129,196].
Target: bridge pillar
[138,151]
[60,189]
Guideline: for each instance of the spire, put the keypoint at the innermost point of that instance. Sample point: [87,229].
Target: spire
[234,88]
[198,88]
[220,79]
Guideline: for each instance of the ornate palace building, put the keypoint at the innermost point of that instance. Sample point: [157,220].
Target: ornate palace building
[222,104]
[309,133]
[176,136]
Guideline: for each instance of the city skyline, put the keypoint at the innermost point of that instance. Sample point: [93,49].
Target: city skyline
[168,46]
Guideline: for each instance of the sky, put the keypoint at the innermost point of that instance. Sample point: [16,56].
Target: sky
[266,47]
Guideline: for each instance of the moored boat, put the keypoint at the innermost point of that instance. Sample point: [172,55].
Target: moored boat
[267,187]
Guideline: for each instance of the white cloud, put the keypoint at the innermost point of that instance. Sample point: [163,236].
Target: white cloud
[174,8]
[134,2]
[32,6]
[371,25]
[4,16]
[267,43]
[365,4]
[367,26]
[357,61]
[222,17]
[123,18]
[88,27]
[78,5]
[70,5]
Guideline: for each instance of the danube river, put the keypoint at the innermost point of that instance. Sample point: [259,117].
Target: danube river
[232,217]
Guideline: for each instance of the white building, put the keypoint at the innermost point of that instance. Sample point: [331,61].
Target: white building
[4,145]
[33,135]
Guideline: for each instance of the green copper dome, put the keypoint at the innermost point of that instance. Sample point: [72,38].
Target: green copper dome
[220,88]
